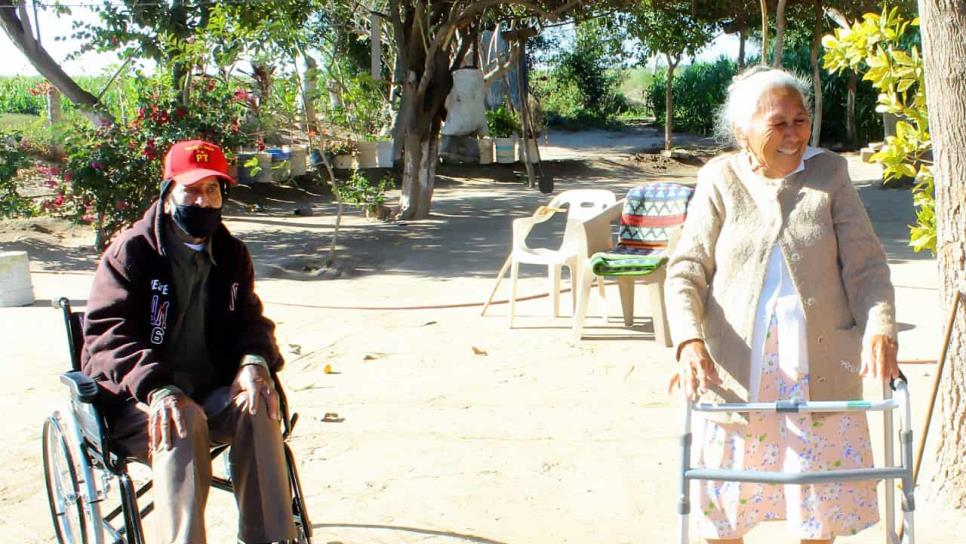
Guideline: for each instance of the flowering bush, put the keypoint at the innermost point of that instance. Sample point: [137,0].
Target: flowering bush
[13,156]
[115,170]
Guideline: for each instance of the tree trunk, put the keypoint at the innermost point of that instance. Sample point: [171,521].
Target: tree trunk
[764,32]
[42,61]
[817,75]
[741,49]
[944,47]
[850,127]
[669,103]
[779,34]
[310,91]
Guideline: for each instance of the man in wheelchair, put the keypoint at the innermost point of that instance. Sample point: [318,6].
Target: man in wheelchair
[184,358]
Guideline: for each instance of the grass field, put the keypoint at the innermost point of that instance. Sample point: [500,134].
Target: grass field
[17,122]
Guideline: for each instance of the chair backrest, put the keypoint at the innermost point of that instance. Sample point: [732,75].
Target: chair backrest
[650,214]
[74,326]
[582,204]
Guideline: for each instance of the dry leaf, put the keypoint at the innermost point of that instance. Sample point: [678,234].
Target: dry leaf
[369,357]
[327,369]
[479,351]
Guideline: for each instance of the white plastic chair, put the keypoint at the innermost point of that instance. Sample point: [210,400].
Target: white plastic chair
[581,205]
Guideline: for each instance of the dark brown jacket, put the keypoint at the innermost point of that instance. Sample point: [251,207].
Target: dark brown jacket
[130,310]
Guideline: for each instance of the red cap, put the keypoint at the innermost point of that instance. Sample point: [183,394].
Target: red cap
[189,162]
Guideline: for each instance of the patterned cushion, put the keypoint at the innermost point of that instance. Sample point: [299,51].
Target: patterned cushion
[650,211]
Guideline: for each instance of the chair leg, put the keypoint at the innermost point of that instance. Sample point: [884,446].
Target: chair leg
[496,285]
[627,299]
[585,280]
[602,291]
[574,287]
[553,271]
[514,275]
[662,332]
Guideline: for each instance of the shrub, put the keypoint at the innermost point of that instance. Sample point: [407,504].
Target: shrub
[113,171]
[359,191]
[13,156]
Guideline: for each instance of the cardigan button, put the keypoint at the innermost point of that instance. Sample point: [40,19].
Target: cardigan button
[796,257]
[810,301]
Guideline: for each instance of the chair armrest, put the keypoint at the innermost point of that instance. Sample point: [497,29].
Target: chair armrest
[83,389]
[597,229]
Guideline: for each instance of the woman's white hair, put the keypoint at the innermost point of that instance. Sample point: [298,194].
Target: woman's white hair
[746,90]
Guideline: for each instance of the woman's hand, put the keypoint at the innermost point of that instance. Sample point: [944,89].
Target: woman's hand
[879,358]
[697,371]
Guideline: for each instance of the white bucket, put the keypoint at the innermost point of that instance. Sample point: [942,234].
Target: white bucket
[367,155]
[15,286]
[297,160]
[384,154]
[486,150]
[506,150]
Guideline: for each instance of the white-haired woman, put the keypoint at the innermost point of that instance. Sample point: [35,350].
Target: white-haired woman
[779,289]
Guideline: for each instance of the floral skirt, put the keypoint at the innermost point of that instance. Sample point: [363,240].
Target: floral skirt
[786,443]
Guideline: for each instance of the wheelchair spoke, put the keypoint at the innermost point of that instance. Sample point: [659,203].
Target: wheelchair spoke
[63,494]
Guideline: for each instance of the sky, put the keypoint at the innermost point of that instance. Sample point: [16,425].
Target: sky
[52,26]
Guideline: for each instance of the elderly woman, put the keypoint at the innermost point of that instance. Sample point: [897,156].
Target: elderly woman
[779,289]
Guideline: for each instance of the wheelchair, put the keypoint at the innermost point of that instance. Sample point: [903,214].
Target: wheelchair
[80,468]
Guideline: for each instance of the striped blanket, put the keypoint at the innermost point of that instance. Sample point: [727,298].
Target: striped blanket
[650,212]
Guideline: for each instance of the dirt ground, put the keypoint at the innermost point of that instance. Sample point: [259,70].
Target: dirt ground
[449,427]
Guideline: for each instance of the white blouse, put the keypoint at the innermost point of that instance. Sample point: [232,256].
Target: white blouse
[779,297]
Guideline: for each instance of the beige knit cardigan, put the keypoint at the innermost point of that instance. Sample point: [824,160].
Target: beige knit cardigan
[717,270]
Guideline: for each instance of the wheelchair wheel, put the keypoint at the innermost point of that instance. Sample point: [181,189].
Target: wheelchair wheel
[63,494]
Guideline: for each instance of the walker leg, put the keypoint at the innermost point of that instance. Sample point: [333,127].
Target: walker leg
[684,501]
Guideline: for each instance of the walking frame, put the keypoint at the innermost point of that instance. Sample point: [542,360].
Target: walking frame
[889,472]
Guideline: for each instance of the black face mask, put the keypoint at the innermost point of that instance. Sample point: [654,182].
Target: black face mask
[197,221]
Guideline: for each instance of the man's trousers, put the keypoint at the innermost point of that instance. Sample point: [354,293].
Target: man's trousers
[182,474]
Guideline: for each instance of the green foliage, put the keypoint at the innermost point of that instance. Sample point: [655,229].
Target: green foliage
[13,156]
[502,123]
[582,86]
[698,90]
[668,27]
[359,191]
[879,46]
[113,171]
[362,109]
[17,95]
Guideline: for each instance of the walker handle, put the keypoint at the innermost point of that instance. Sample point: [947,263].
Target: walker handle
[902,377]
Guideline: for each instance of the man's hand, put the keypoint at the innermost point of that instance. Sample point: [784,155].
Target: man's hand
[697,371]
[166,417]
[252,382]
[879,358]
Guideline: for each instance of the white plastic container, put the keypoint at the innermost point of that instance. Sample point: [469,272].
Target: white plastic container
[367,156]
[297,159]
[384,154]
[506,150]
[15,286]
[486,150]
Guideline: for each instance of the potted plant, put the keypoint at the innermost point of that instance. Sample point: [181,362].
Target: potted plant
[343,153]
[503,125]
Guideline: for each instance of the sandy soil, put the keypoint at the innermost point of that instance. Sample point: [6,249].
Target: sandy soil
[451,427]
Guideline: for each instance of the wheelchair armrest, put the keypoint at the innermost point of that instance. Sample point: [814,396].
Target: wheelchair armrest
[82,388]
